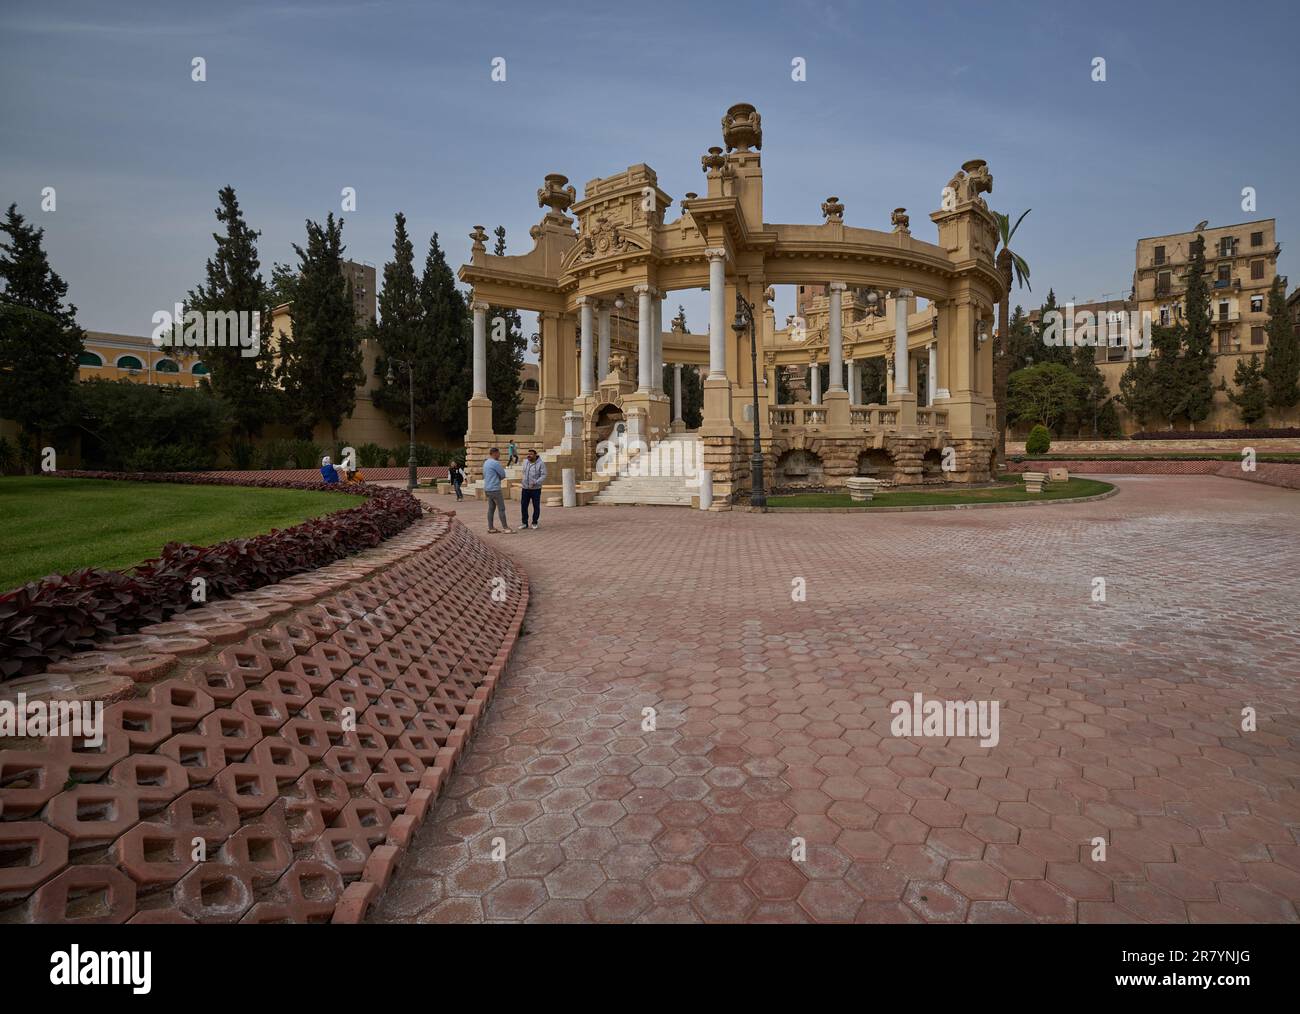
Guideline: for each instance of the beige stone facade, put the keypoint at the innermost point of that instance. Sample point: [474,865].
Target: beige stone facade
[623,239]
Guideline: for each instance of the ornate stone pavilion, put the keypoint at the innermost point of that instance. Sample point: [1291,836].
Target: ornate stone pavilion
[623,256]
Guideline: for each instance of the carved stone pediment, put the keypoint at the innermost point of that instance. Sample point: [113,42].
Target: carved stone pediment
[600,237]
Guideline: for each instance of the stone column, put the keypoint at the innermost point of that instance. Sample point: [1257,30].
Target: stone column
[836,336]
[717,312]
[901,385]
[657,344]
[816,383]
[677,394]
[585,363]
[774,389]
[480,349]
[644,351]
[602,329]
[855,383]
[932,375]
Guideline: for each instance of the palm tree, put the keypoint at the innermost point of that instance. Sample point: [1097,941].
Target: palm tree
[1007,262]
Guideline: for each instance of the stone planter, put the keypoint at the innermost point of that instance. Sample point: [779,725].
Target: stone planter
[861,489]
[1034,481]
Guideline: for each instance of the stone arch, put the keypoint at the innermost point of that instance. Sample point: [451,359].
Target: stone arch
[605,423]
[799,467]
[876,463]
[932,464]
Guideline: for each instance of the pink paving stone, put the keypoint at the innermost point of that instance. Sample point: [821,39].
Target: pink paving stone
[777,719]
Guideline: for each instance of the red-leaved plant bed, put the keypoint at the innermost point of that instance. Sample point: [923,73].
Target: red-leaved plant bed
[1276,431]
[50,619]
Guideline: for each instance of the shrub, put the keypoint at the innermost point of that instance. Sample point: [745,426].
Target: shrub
[242,454]
[50,619]
[445,456]
[171,458]
[1247,434]
[285,453]
[9,461]
[119,419]
[1039,440]
[371,455]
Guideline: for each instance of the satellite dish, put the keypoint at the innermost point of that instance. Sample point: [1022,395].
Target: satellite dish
[1201,225]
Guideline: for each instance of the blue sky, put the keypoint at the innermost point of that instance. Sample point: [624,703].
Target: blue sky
[395,99]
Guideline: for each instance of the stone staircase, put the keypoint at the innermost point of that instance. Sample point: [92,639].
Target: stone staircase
[669,476]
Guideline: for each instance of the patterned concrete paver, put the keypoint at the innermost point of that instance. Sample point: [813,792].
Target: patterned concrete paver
[1120,720]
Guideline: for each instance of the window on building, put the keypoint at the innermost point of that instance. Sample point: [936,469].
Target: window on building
[167,366]
[1226,245]
[1160,255]
[199,370]
[1256,304]
[1162,283]
[129,363]
[1256,239]
[1225,341]
[1164,316]
[1256,270]
[1223,309]
[1257,336]
[90,359]
[1223,275]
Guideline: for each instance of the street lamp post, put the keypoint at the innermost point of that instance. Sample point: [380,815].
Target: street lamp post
[745,319]
[411,481]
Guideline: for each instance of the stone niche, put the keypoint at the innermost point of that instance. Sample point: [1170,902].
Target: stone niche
[876,463]
[799,469]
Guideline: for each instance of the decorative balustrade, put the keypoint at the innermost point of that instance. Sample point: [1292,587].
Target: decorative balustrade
[873,415]
[869,417]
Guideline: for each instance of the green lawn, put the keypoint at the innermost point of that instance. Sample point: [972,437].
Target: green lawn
[1005,493]
[52,526]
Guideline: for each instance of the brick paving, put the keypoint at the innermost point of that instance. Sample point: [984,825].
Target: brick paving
[1119,720]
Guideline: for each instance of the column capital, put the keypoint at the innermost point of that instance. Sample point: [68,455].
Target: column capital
[837,286]
[716,253]
[587,301]
[549,314]
[903,293]
[479,304]
[643,290]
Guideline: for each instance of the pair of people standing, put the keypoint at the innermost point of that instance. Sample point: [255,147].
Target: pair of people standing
[531,482]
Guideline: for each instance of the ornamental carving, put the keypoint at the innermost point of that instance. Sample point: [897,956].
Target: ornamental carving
[713,161]
[900,219]
[555,195]
[833,209]
[971,180]
[742,128]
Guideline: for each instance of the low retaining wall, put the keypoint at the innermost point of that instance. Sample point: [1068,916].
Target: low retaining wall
[313,474]
[1270,473]
[1216,445]
[300,733]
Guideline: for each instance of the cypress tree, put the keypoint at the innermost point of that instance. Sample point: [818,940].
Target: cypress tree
[1250,397]
[39,336]
[320,364]
[692,382]
[1093,393]
[1195,397]
[1282,356]
[234,283]
[402,336]
[446,331]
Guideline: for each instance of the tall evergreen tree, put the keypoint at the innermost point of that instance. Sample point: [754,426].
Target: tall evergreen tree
[320,363]
[1250,396]
[403,338]
[1035,351]
[505,359]
[1196,372]
[234,283]
[1092,394]
[39,336]
[448,333]
[692,382]
[1282,356]
[1137,391]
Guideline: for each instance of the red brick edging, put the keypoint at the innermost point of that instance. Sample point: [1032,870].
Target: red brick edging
[248,745]
[1271,473]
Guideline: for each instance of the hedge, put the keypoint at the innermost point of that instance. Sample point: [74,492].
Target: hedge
[53,618]
[1259,434]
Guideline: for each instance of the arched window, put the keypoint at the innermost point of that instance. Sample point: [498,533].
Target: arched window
[199,370]
[530,385]
[167,366]
[90,359]
[129,363]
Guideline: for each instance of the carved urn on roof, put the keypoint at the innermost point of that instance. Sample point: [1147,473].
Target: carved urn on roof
[714,160]
[833,209]
[742,128]
[555,195]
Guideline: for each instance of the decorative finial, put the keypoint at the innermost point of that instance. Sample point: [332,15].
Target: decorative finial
[900,220]
[714,160]
[833,209]
[554,194]
[479,236]
[742,128]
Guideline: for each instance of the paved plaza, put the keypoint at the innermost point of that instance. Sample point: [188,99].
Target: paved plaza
[1120,720]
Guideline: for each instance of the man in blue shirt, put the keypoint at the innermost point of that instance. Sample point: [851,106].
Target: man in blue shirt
[493,473]
[328,473]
